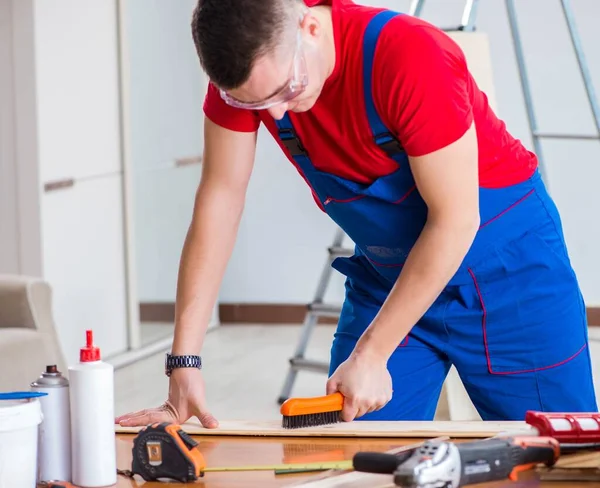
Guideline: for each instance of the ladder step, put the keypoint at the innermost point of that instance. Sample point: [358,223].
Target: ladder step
[340,252]
[325,310]
[309,365]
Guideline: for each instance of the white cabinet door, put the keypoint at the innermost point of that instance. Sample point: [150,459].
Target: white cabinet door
[84,261]
[166,84]
[164,201]
[78,88]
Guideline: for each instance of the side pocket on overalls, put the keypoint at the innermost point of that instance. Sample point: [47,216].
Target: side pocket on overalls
[532,311]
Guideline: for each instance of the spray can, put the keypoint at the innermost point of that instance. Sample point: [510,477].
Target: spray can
[93,443]
[55,429]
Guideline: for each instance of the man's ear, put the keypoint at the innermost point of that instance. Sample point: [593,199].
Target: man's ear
[311,25]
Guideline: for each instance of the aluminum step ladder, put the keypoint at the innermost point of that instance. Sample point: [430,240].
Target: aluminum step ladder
[317,308]
[536,135]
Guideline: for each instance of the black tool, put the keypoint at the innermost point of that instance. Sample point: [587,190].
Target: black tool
[442,464]
[165,451]
[379,462]
[452,465]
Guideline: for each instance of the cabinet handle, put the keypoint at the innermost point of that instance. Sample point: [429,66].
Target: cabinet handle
[59,184]
[179,162]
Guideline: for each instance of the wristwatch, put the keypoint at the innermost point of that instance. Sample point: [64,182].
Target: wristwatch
[187,361]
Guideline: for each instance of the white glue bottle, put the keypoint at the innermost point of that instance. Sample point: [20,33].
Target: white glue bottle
[93,450]
[55,429]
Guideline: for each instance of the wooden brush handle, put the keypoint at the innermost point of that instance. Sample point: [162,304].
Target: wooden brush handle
[307,406]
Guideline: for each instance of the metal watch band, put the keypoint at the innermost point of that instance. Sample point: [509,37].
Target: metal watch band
[185,361]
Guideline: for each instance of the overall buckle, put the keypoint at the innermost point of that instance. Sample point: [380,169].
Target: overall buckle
[292,142]
[389,144]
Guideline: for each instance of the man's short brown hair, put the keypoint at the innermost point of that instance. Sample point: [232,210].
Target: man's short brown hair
[230,35]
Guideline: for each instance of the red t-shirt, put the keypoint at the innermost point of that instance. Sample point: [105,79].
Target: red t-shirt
[422,91]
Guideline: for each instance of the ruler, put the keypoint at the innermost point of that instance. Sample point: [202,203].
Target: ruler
[285,468]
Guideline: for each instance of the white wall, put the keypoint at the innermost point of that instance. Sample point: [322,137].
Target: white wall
[283,239]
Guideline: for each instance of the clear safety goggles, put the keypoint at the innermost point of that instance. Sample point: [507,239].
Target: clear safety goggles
[295,85]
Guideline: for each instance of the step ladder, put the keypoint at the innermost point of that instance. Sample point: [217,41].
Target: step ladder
[536,134]
[317,308]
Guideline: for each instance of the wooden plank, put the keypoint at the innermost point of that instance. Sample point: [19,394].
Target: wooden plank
[398,429]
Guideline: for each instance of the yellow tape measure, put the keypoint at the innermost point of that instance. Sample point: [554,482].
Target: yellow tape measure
[286,468]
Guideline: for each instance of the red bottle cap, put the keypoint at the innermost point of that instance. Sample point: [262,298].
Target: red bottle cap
[90,352]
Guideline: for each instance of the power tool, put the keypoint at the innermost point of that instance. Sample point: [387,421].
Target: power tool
[444,464]
[452,465]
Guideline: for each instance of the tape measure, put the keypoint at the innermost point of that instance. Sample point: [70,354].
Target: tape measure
[164,451]
[287,468]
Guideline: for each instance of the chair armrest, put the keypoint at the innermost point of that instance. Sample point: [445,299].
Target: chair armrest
[26,302]
[16,301]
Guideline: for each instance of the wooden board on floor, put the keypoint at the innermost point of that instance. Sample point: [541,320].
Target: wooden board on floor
[404,429]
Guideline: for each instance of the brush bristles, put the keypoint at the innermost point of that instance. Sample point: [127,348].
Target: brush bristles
[311,420]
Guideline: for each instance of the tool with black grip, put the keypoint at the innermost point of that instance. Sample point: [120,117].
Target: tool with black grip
[379,462]
[452,465]
[445,464]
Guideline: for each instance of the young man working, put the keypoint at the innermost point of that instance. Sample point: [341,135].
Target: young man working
[460,255]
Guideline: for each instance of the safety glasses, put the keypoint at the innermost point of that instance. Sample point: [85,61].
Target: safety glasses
[295,85]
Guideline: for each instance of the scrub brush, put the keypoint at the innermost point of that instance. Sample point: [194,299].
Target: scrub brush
[311,412]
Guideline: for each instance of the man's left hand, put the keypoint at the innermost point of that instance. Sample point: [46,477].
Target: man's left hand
[365,383]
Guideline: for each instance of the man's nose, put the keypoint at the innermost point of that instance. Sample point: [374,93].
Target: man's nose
[278,111]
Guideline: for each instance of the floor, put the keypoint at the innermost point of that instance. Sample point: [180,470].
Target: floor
[244,370]
[154,331]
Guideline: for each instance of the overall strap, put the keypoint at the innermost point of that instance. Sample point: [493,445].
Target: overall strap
[381,135]
[289,138]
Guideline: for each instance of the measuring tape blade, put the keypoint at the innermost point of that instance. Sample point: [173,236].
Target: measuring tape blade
[283,468]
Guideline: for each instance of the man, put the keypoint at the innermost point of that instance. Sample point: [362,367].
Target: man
[460,255]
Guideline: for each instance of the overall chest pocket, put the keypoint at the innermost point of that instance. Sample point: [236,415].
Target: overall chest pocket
[395,188]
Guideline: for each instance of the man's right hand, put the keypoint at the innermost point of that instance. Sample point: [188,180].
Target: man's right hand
[186,400]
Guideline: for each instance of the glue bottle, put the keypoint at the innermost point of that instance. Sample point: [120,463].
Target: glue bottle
[55,429]
[93,450]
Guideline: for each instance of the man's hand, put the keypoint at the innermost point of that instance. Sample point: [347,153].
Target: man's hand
[186,400]
[365,383]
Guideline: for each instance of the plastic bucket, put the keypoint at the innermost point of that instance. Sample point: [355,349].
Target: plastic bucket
[19,424]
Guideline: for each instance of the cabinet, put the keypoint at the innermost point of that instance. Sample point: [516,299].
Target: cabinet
[100,116]
[164,201]
[84,260]
[165,92]
[77,73]
[72,47]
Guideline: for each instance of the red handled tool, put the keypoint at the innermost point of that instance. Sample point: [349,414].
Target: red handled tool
[578,429]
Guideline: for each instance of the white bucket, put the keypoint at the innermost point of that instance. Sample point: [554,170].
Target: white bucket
[19,423]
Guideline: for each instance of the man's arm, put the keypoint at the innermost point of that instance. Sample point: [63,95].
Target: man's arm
[227,166]
[447,180]
[427,88]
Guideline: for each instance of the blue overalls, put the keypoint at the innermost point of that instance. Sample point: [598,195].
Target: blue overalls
[512,319]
